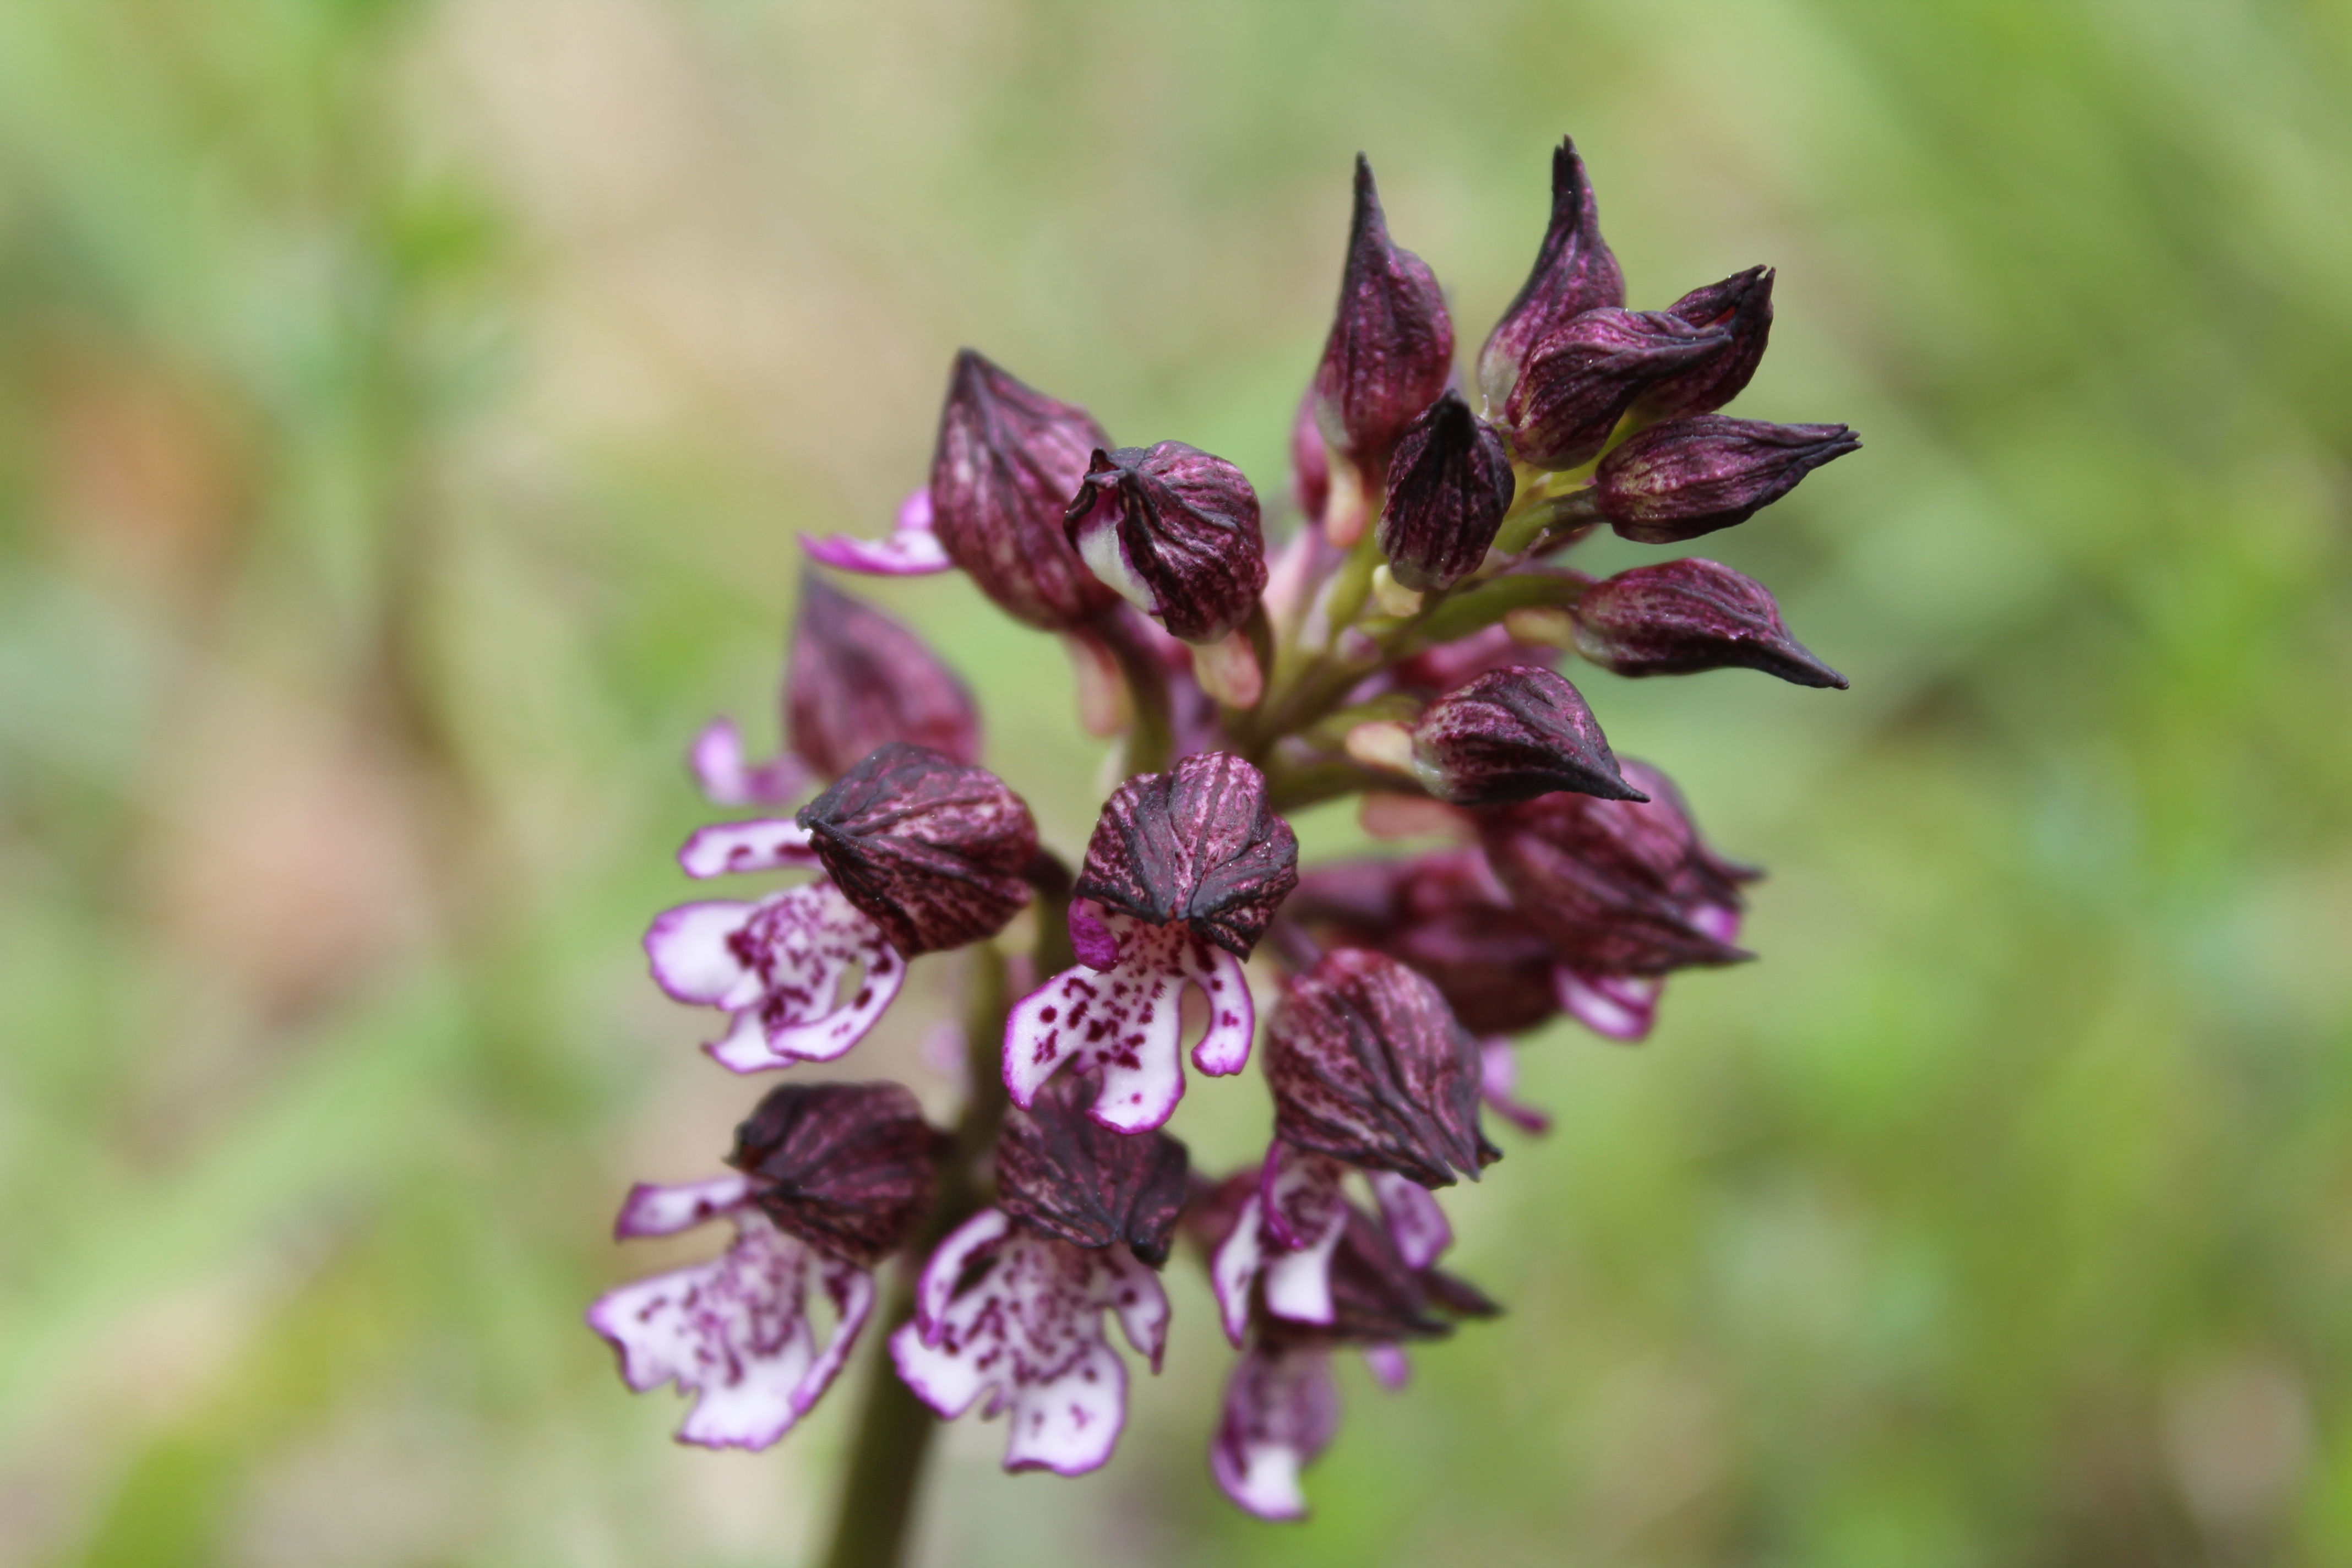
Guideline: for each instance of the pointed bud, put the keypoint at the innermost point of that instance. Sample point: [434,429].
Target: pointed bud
[847,1167]
[1449,485]
[1392,346]
[1578,382]
[1198,845]
[1063,1173]
[1618,886]
[1688,477]
[1369,1066]
[931,851]
[1574,272]
[1513,734]
[859,680]
[1681,616]
[1741,305]
[1175,530]
[1008,459]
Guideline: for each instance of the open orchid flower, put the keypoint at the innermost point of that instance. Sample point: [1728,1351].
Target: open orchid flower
[1027,1331]
[1186,868]
[1281,1411]
[911,548]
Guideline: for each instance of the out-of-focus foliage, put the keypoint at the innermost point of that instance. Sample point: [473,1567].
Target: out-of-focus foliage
[407,411]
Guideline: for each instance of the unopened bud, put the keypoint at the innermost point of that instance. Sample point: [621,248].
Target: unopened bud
[1449,485]
[1391,343]
[1689,476]
[1574,272]
[1741,305]
[1175,530]
[859,680]
[1513,734]
[1681,616]
[1578,382]
[931,850]
[1008,459]
[847,1166]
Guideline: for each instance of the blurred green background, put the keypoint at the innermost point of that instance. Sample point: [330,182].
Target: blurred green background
[406,412]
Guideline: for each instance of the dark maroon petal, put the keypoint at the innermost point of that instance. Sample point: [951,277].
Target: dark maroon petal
[1574,272]
[1198,845]
[1391,343]
[1681,616]
[1066,1174]
[1617,886]
[929,849]
[846,1167]
[1369,1066]
[1449,485]
[1008,460]
[1688,477]
[1513,734]
[1378,1298]
[1742,306]
[858,679]
[1175,530]
[1582,378]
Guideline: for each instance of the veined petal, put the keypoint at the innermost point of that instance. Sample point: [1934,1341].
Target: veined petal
[1125,1022]
[910,550]
[725,778]
[735,1333]
[695,954]
[766,844]
[1417,1224]
[1281,1410]
[1618,1007]
[651,1209]
[797,949]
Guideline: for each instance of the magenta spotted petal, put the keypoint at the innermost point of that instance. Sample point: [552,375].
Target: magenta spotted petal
[1028,1332]
[1281,1410]
[782,966]
[1284,1236]
[1125,1022]
[736,1332]
[726,778]
[762,845]
[910,550]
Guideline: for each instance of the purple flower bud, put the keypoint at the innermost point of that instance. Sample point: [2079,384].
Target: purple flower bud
[847,1167]
[1688,477]
[1449,485]
[1175,530]
[1369,1066]
[1061,1173]
[1741,305]
[1513,734]
[859,680]
[931,851]
[1392,344]
[1198,845]
[1580,380]
[1680,617]
[1008,460]
[1574,272]
[1618,886]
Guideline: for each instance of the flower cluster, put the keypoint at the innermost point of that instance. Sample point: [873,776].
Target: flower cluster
[1400,647]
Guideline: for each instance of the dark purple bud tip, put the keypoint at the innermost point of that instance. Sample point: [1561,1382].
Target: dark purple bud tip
[1007,460]
[1063,1173]
[931,850]
[1369,1066]
[1681,616]
[1688,477]
[858,679]
[1513,734]
[1578,382]
[1198,845]
[847,1167]
[1574,272]
[1175,530]
[1617,886]
[1449,485]
[1741,305]
[1391,343]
